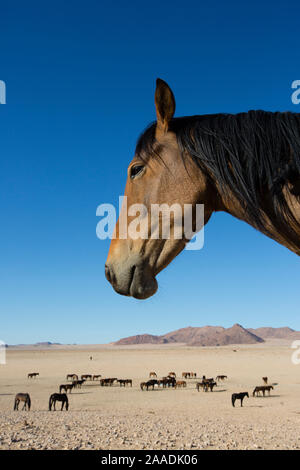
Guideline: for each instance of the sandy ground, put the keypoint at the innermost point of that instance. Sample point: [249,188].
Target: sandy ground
[118,418]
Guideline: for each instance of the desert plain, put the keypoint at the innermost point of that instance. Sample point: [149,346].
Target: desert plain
[168,419]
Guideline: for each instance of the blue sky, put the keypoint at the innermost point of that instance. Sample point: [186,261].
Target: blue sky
[80,80]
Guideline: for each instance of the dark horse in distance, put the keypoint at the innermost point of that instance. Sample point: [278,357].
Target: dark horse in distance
[247,165]
[58,397]
[239,396]
[25,397]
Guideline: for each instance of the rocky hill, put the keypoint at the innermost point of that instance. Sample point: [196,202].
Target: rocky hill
[141,339]
[198,336]
[280,333]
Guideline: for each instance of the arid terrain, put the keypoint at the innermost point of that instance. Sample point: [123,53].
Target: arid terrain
[128,418]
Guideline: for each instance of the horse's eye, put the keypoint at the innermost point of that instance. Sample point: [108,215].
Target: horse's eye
[136,170]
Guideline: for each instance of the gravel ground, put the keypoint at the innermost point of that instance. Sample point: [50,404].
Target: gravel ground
[93,430]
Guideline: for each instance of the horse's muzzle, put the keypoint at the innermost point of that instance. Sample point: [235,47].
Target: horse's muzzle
[136,280]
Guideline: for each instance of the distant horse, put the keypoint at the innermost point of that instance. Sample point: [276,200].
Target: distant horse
[246,165]
[171,381]
[25,397]
[125,382]
[188,375]
[77,383]
[167,382]
[66,387]
[153,374]
[32,375]
[72,377]
[265,380]
[221,377]
[200,385]
[58,397]
[204,379]
[86,377]
[172,374]
[238,396]
[262,389]
[96,377]
[206,384]
[148,384]
[210,386]
[180,383]
[109,381]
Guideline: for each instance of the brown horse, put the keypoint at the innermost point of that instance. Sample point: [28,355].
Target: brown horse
[77,383]
[206,384]
[153,374]
[188,375]
[167,382]
[72,376]
[86,377]
[180,383]
[200,385]
[150,383]
[124,382]
[221,377]
[66,387]
[265,380]
[247,165]
[32,375]
[109,381]
[262,389]
[209,385]
[25,397]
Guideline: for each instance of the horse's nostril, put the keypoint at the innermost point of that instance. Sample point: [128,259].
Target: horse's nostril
[107,273]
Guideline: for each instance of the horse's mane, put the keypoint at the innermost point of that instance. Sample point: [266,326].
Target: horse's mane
[256,155]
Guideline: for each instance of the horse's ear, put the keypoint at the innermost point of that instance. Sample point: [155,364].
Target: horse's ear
[164,105]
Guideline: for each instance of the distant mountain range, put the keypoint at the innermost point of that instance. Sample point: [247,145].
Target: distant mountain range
[43,344]
[213,336]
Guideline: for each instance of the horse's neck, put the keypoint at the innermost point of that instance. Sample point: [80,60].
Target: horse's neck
[232,206]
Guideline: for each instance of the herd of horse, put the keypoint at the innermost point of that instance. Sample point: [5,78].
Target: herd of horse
[168,381]
[165,382]
[205,384]
[67,387]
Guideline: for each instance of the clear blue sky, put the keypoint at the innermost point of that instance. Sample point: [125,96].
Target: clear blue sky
[80,82]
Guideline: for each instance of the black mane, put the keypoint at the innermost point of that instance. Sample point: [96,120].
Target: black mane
[255,154]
